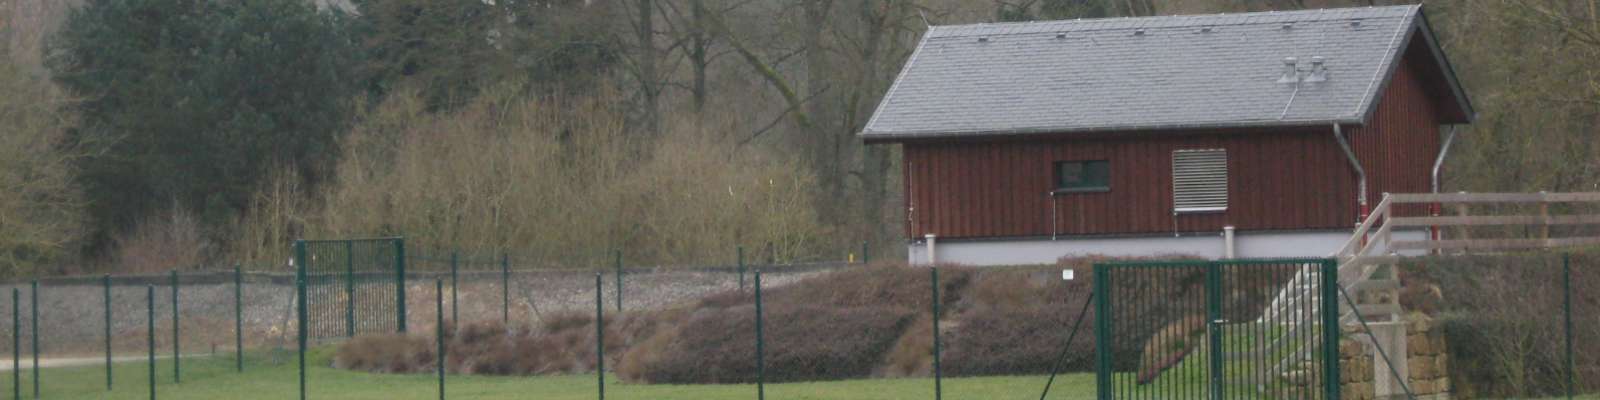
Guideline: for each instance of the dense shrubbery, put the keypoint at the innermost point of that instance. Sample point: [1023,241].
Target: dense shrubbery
[560,178]
[1502,317]
[862,322]
[563,344]
[41,211]
[840,325]
[804,342]
[1016,322]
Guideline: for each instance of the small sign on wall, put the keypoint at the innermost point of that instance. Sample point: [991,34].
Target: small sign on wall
[1066,274]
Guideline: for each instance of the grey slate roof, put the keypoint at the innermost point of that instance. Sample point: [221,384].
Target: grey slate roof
[1100,75]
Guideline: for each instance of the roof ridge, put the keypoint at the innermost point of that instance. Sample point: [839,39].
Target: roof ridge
[1338,13]
[1124,28]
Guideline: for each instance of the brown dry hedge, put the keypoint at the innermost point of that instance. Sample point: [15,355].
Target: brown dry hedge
[854,323]
[1503,322]
[564,345]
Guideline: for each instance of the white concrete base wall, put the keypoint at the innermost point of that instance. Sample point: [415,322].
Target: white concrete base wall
[1266,244]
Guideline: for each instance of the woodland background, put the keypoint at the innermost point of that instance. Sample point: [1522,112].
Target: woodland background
[141,135]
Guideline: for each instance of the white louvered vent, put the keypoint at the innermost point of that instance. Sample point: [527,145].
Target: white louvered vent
[1199,180]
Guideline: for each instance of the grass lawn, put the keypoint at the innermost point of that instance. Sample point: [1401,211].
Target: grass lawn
[214,378]
[266,378]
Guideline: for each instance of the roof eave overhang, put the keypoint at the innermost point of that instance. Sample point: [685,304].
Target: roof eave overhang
[1449,71]
[871,137]
[1419,24]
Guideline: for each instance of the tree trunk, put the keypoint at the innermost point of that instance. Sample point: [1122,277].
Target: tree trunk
[649,80]
[698,43]
[824,138]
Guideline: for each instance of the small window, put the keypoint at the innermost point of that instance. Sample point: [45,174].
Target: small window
[1083,176]
[1199,181]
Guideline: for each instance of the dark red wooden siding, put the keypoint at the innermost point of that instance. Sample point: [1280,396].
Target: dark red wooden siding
[1281,179]
[1398,146]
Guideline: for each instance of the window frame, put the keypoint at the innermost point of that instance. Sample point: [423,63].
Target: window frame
[1057,183]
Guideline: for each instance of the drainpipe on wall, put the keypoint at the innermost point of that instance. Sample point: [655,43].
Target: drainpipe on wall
[1438,162]
[930,240]
[1361,174]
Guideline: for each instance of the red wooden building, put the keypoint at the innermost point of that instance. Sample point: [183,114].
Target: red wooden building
[1227,135]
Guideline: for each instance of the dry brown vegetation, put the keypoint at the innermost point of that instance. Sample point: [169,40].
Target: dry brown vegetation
[563,344]
[557,178]
[172,240]
[1503,320]
[835,326]
[41,211]
[864,322]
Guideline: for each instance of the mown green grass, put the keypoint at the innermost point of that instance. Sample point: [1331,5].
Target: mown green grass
[271,376]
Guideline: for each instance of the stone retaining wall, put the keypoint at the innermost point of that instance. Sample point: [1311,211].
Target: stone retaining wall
[1363,372]
[1428,363]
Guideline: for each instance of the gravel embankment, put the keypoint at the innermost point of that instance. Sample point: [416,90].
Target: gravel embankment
[72,320]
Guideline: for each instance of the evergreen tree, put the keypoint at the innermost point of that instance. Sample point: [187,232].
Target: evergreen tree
[452,50]
[192,102]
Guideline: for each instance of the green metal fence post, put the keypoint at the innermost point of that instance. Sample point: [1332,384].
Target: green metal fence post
[864,259]
[177,372]
[150,334]
[1331,329]
[761,345]
[505,288]
[106,285]
[619,280]
[741,268]
[455,299]
[1213,282]
[300,310]
[1102,332]
[33,302]
[1566,310]
[599,335]
[238,317]
[349,289]
[16,344]
[400,284]
[938,374]
[438,291]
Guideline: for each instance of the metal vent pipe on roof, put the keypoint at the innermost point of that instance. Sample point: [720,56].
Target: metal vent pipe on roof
[1290,73]
[1319,71]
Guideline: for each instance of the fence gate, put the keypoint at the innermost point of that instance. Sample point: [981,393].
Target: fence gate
[349,287]
[1237,329]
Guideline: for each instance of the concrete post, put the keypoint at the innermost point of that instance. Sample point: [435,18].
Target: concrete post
[1392,336]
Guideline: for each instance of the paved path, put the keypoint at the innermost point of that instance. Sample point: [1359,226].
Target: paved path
[27,363]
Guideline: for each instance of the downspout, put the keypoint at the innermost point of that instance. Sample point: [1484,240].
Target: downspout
[1444,150]
[1361,174]
[1438,163]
